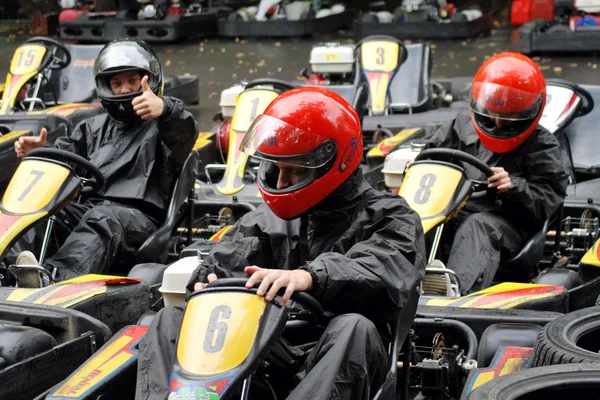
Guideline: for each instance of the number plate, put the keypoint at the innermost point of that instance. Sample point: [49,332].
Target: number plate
[27,59]
[250,105]
[429,189]
[379,56]
[33,186]
[218,331]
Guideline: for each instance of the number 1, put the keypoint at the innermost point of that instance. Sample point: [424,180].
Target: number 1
[38,176]
[254,108]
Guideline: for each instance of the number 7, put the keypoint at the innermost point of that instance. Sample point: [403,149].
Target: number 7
[38,176]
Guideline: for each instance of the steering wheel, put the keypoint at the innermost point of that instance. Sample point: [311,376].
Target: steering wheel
[451,154]
[91,186]
[62,55]
[278,84]
[303,298]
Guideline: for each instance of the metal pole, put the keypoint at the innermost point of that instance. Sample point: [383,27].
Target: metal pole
[46,238]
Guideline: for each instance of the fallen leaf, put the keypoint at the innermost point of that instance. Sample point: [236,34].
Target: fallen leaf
[594,66]
[240,55]
[277,44]
[243,41]
[187,74]
[237,39]
[169,51]
[213,94]
[536,58]
[573,65]
[201,49]
[497,23]
[463,43]
[240,62]
[558,70]
[223,50]
[433,46]
[167,63]
[261,63]
[472,59]
[279,69]
[212,51]
[211,69]
[234,75]
[544,67]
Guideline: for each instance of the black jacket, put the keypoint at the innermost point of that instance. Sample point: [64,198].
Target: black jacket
[365,249]
[139,161]
[538,170]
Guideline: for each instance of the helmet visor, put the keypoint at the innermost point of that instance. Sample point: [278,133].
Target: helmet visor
[274,140]
[500,102]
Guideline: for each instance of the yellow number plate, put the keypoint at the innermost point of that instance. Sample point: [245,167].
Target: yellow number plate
[379,56]
[33,186]
[218,331]
[429,189]
[250,105]
[27,59]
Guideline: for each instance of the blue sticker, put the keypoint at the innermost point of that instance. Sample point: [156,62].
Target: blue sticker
[348,155]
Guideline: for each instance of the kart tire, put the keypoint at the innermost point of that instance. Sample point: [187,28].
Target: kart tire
[555,381]
[370,18]
[235,17]
[566,340]
[21,342]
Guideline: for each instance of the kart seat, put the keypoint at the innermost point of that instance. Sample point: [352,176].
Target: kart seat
[154,249]
[410,89]
[525,263]
[400,332]
[75,83]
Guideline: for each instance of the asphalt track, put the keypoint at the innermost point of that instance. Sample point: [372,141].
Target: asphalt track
[221,62]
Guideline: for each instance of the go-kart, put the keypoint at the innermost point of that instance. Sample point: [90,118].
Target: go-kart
[151,21]
[241,352]
[425,19]
[46,333]
[285,18]
[228,189]
[51,84]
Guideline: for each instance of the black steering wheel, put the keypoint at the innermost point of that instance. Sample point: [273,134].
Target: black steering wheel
[302,298]
[451,155]
[91,186]
[278,84]
[61,55]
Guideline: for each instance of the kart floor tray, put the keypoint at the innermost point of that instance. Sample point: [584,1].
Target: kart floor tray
[92,28]
[425,29]
[284,28]
[532,40]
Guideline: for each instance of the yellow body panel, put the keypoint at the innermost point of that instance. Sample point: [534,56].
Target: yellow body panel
[12,135]
[27,59]
[592,257]
[23,67]
[8,233]
[378,88]
[250,105]
[33,186]
[379,56]
[386,144]
[429,189]
[502,296]
[218,331]
[202,140]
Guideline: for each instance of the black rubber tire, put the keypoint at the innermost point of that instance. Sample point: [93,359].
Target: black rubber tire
[531,383]
[560,29]
[459,17]
[559,341]
[21,342]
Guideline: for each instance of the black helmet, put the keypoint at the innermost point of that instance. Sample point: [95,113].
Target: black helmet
[124,55]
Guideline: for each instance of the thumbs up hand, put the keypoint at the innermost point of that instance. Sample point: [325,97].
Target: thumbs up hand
[148,105]
[26,143]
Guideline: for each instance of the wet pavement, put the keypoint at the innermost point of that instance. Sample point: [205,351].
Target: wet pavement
[220,62]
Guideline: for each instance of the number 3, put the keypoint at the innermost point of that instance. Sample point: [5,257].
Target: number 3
[214,340]
[380,56]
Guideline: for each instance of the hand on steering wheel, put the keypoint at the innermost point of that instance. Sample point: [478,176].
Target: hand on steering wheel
[500,180]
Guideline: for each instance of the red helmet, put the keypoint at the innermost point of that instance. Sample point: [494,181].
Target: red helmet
[507,101]
[309,129]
